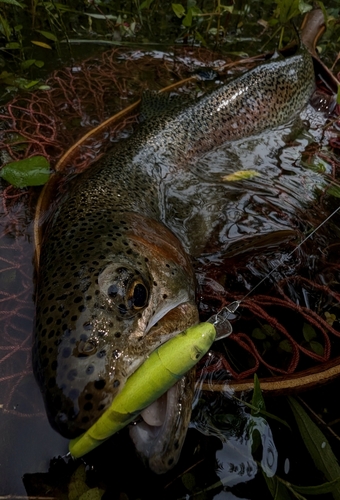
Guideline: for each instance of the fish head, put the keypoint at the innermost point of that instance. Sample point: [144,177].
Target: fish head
[102,308]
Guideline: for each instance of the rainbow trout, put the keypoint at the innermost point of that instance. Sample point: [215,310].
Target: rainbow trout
[114,283]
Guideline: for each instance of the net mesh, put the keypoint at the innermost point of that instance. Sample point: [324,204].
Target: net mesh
[47,123]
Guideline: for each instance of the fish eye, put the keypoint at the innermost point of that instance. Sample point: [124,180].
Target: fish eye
[139,296]
[124,287]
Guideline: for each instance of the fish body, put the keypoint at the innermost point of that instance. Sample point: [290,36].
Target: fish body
[114,283]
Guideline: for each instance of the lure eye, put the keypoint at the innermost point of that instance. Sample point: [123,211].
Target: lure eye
[139,298]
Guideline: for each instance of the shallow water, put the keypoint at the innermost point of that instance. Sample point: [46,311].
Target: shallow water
[255,218]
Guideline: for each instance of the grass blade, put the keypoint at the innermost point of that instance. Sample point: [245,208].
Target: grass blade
[317,446]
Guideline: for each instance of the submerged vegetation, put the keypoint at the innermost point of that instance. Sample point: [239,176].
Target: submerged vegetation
[30,31]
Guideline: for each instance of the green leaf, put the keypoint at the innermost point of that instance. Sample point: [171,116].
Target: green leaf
[196,11]
[5,27]
[92,494]
[77,486]
[288,9]
[30,83]
[48,35]
[21,83]
[317,347]
[33,171]
[227,8]
[267,345]
[277,489]
[178,9]
[330,318]
[270,331]
[146,4]
[12,45]
[304,7]
[187,21]
[308,332]
[257,399]
[286,346]
[16,139]
[39,64]
[317,445]
[13,2]
[240,175]
[264,413]
[334,190]
[27,64]
[41,44]
[64,8]
[259,334]
[200,38]
[319,489]
[5,74]
[189,481]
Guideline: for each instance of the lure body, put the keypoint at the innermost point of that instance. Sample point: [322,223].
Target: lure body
[161,370]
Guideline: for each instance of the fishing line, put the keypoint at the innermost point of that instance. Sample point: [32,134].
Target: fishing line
[221,319]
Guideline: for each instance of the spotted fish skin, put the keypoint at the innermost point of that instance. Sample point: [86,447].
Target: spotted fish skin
[113,281]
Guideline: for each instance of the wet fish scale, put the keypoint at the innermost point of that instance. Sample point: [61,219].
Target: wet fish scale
[114,283]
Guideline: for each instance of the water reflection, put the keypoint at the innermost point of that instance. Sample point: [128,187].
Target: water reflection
[27,442]
[247,440]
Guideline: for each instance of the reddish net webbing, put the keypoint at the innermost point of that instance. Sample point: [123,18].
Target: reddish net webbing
[286,317]
[48,123]
[16,312]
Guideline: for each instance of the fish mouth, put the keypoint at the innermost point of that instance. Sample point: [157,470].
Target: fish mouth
[159,433]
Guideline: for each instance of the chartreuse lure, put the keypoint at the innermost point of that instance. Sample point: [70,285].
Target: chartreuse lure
[161,370]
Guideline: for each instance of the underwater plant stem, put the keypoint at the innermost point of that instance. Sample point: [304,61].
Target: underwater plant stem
[182,473]
[270,39]
[278,479]
[218,20]
[34,9]
[318,418]
[281,37]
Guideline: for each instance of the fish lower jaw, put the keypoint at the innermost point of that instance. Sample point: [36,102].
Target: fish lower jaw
[159,434]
